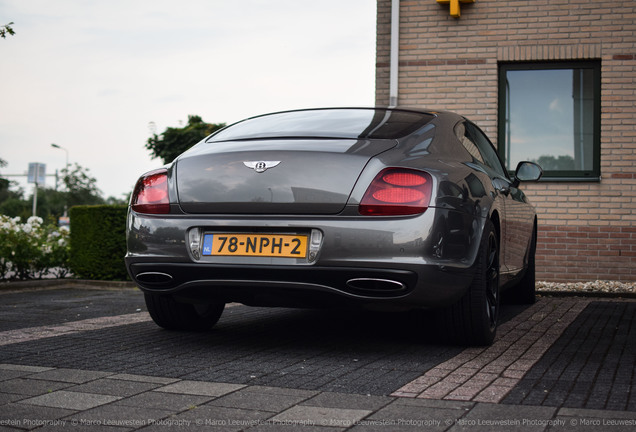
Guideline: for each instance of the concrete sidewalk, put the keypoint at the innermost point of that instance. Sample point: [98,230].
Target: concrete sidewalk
[89,358]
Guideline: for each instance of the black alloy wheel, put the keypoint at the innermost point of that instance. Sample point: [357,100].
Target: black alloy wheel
[473,319]
[170,314]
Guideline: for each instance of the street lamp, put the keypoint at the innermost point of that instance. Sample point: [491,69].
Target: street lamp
[66,151]
[67,173]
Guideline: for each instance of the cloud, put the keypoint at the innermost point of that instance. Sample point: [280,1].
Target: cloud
[555,105]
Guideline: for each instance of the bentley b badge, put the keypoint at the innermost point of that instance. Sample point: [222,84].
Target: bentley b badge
[261,166]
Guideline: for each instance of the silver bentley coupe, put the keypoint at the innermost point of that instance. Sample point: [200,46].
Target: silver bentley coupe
[378,208]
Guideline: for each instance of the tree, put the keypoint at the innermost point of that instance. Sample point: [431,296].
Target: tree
[174,141]
[4,183]
[124,200]
[5,30]
[11,200]
[80,187]
[552,163]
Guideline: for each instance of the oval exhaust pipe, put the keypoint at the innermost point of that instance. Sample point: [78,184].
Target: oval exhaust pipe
[153,277]
[376,285]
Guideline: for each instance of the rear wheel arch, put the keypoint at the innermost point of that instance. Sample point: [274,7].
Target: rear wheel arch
[524,291]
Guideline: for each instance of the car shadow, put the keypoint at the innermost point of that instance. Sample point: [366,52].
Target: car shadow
[343,326]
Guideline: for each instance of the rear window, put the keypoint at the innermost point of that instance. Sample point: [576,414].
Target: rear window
[327,123]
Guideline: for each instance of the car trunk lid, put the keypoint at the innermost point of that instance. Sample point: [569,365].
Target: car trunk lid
[275,176]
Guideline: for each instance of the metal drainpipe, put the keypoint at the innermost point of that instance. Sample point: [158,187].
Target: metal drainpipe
[395,51]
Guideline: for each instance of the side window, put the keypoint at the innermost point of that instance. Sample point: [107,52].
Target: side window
[487,150]
[467,142]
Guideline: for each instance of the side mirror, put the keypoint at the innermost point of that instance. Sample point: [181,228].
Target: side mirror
[527,171]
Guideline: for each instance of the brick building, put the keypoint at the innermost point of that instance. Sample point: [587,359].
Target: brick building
[548,80]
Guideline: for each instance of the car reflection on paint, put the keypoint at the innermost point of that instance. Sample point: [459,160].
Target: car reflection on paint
[379,208]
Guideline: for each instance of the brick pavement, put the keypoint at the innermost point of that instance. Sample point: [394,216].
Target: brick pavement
[557,341]
[592,365]
[488,374]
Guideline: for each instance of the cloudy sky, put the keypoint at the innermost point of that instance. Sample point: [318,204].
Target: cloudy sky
[542,114]
[91,76]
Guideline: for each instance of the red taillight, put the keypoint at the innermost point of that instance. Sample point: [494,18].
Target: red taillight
[398,195]
[396,192]
[401,178]
[151,193]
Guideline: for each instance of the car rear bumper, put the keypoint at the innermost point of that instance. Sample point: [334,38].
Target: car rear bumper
[303,287]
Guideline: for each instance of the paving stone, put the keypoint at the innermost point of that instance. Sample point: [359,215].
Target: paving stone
[339,400]
[70,400]
[264,400]
[415,414]
[286,427]
[433,403]
[321,416]
[281,391]
[200,388]
[166,401]
[222,418]
[588,419]
[119,416]
[64,425]
[23,368]
[29,387]
[69,375]
[117,387]
[6,398]
[143,378]
[487,417]
[31,416]
[11,374]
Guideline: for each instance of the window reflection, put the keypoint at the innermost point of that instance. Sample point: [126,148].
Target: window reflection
[550,117]
[328,123]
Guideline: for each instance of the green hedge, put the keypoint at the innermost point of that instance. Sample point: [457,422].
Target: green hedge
[98,242]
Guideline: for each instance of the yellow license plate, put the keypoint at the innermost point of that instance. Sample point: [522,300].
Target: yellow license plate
[266,245]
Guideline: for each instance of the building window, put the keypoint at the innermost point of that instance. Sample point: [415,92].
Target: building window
[550,113]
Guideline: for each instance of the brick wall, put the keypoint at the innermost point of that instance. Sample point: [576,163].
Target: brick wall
[586,229]
[570,252]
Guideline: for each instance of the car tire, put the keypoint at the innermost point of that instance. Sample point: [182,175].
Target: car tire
[170,314]
[473,319]
[525,291]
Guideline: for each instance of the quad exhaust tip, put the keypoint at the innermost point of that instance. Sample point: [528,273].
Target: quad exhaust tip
[376,285]
[154,277]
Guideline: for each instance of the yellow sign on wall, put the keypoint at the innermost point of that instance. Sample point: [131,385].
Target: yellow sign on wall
[454,6]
